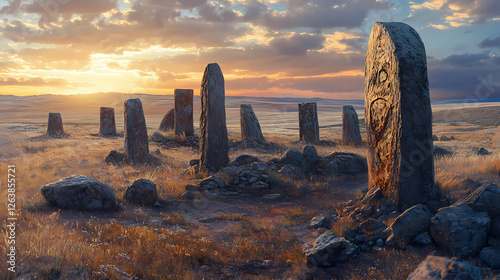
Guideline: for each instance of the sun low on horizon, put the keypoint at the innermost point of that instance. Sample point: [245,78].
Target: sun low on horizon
[265,48]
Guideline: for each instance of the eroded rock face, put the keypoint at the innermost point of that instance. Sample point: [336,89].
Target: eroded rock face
[339,163]
[442,268]
[167,123]
[141,192]
[460,230]
[485,198]
[410,223]
[308,122]
[250,127]
[136,134]
[55,125]
[329,249]
[214,144]
[107,121]
[79,193]
[398,115]
[184,112]
[350,127]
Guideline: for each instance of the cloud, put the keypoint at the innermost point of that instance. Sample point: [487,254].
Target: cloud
[35,81]
[490,43]
[50,10]
[11,8]
[298,44]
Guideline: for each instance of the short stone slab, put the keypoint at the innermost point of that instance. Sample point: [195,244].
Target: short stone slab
[442,268]
[141,192]
[79,192]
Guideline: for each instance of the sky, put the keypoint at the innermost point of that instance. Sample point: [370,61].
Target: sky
[289,48]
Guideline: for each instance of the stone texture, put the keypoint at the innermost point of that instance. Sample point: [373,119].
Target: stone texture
[141,192]
[250,127]
[79,193]
[460,230]
[442,268]
[107,121]
[491,256]
[214,144]
[329,249]
[292,157]
[485,198]
[320,222]
[410,223]
[350,127]
[338,163]
[55,125]
[311,159]
[136,134]
[183,112]
[398,115]
[308,122]
[495,226]
[441,152]
[167,123]
[243,160]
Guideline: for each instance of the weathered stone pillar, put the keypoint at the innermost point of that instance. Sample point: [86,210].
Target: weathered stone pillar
[308,122]
[167,123]
[136,133]
[250,127]
[184,112]
[350,127]
[214,144]
[108,125]
[55,125]
[398,115]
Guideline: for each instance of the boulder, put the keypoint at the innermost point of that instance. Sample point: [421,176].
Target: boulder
[442,268]
[485,198]
[141,192]
[491,256]
[320,222]
[116,158]
[460,230]
[339,163]
[243,160]
[79,192]
[292,157]
[168,121]
[410,223]
[329,249]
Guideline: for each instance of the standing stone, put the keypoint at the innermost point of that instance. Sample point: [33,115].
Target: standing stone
[308,122]
[108,126]
[55,125]
[250,127]
[350,127]
[136,133]
[398,115]
[184,112]
[167,123]
[214,144]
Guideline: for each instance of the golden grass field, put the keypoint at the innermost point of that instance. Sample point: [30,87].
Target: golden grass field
[247,238]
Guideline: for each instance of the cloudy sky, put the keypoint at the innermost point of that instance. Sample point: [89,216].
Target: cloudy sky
[278,48]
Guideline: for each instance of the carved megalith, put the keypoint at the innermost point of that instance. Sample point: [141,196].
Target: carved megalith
[167,123]
[136,133]
[308,122]
[107,121]
[214,144]
[250,127]
[55,125]
[184,112]
[350,127]
[398,115]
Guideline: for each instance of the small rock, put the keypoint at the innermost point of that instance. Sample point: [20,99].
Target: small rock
[141,192]
[259,167]
[444,138]
[188,195]
[441,152]
[191,188]
[243,160]
[491,256]
[434,267]
[115,157]
[485,198]
[194,162]
[157,152]
[273,196]
[379,243]
[304,189]
[410,223]
[423,239]
[292,157]
[481,151]
[320,222]
[329,249]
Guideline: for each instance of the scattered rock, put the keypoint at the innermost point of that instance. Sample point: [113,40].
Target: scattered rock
[410,223]
[188,195]
[194,162]
[273,196]
[491,256]
[486,198]
[157,152]
[444,138]
[441,152]
[435,138]
[243,160]
[292,157]
[423,239]
[339,163]
[481,152]
[141,192]
[79,193]
[460,230]
[329,249]
[191,188]
[442,268]
[304,189]
[320,222]
[372,196]
[116,158]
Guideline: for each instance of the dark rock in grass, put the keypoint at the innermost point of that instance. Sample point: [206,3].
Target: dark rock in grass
[329,249]
[460,230]
[486,198]
[116,158]
[444,138]
[194,162]
[79,193]
[442,268]
[292,157]
[481,152]
[141,192]
[320,222]
[435,138]
[188,195]
[339,163]
[441,152]
[491,256]
[243,160]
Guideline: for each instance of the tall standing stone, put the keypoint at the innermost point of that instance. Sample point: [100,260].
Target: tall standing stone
[167,123]
[308,122]
[184,112]
[136,133]
[108,125]
[250,127]
[398,115]
[214,145]
[55,125]
[350,127]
